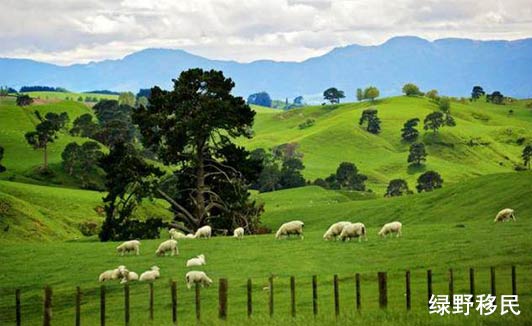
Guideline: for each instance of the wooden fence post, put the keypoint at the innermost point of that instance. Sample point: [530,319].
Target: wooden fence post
[451,287]
[78,306]
[222,298]
[126,304]
[492,277]
[151,300]
[173,291]
[250,298]
[315,294]
[429,285]
[17,307]
[102,305]
[383,295]
[336,296]
[472,281]
[408,292]
[293,295]
[198,302]
[357,290]
[270,281]
[47,318]
[514,281]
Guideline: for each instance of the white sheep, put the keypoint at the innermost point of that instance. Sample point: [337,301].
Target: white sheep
[197,277]
[393,227]
[125,247]
[129,276]
[293,227]
[335,230]
[167,246]
[238,233]
[175,234]
[112,274]
[504,215]
[197,261]
[190,236]
[353,230]
[203,232]
[150,275]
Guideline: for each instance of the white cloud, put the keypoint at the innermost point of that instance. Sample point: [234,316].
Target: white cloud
[80,30]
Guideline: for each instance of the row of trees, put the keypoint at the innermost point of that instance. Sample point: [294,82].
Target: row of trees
[426,182]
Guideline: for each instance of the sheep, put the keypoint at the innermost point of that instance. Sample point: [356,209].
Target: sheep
[166,246]
[203,232]
[238,233]
[190,236]
[129,276]
[393,227]
[506,214]
[197,261]
[335,230]
[132,245]
[197,277]
[353,230]
[112,274]
[293,227]
[150,275]
[175,234]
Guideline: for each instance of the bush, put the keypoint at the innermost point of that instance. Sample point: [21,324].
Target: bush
[131,229]
[89,228]
[308,123]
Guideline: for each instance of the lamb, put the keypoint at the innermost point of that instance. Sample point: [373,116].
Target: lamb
[203,232]
[393,227]
[293,227]
[112,274]
[150,275]
[506,214]
[197,261]
[335,230]
[197,277]
[238,233]
[353,230]
[167,246]
[125,247]
[190,236]
[175,234]
[129,276]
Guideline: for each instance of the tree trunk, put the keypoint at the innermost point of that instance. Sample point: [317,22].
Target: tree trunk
[45,156]
[200,185]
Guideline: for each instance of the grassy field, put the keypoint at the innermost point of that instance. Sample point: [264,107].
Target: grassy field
[71,96]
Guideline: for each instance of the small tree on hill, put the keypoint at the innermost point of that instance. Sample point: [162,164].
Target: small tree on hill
[444,104]
[397,187]
[429,181]
[433,94]
[2,168]
[434,121]
[527,155]
[24,100]
[46,132]
[84,126]
[411,90]
[417,154]
[409,132]
[370,117]
[371,93]
[360,94]
[495,98]
[333,95]
[477,92]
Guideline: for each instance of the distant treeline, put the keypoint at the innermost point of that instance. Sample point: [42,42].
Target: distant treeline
[25,89]
[103,91]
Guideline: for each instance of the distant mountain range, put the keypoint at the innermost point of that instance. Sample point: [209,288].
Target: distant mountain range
[452,66]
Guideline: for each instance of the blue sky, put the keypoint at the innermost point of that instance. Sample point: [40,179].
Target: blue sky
[79,31]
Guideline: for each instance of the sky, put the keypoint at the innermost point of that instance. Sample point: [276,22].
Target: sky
[79,31]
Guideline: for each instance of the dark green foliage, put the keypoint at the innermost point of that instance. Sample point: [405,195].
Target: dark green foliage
[144,92]
[346,177]
[409,132]
[26,89]
[128,180]
[115,124]
[434,121]
[369,117]
[397,187]
[477,92]
[261,98]
[429,181]
[24,100]
[84,126]
[333,95]
[81,163]
[417,153]
[527,155]
[2,168]
[411,90]
[307,123]
[360,94]
[496,98]
[321,183]
[291,176]
[46,132]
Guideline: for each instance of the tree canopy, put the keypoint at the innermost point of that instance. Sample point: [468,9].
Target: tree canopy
[417,153]
[372,121]
[46,132]
[397,187]
[333,95]
[410,89]
[409,132]
[429,181]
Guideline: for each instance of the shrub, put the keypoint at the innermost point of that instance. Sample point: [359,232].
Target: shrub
[89,228]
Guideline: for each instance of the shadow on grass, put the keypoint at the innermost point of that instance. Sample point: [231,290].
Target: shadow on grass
[416,168]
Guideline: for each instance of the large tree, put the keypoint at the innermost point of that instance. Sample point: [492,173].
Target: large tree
[410,89]
[369,117]
[46,132]
[477,92]
[189,127]
[81,162]
[371,93]
[333,95]
[429,181]
[2,168]
[84,126]
[397,187]
[527,155]
[348,177]
[434,121]
[409,132]
[417,154]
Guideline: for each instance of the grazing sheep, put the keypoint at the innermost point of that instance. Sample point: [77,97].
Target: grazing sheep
[129,276]
[335,230]
[175,234]
[293,227]
[353,230]
[506,214]
[112,274]
[150,275]
[197,277]
[238,233]
[203,232]
[393,227]
[190,236]
[197,261]
[125,247]
[167,246]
